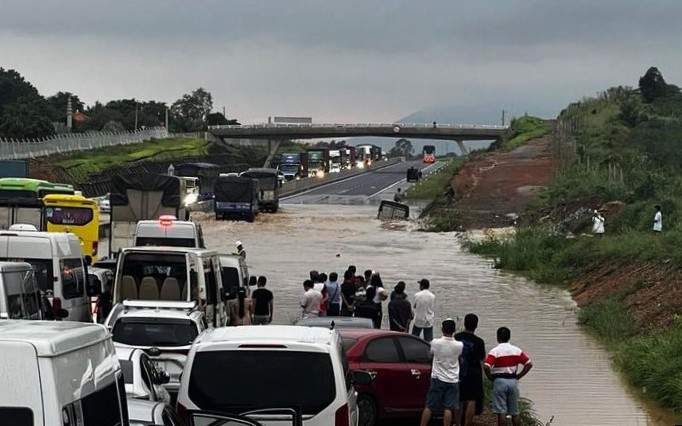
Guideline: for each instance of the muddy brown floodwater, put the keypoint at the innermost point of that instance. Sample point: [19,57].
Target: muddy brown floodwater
[572,381]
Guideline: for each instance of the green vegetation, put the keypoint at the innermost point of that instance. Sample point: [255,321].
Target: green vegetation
[620,146]
[433,186]
[87,163]
[523,129]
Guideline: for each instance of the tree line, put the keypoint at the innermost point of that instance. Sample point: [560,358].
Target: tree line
[25,113]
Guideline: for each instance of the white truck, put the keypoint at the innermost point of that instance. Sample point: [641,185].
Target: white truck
[168,231]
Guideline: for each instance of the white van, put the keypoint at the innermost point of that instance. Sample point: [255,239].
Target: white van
[60,373]
[277,367]
[168,231]
[19,292]
[172,274]
[235,274]
[57,260]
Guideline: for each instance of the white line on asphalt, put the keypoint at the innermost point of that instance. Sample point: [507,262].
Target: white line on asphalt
[402,180]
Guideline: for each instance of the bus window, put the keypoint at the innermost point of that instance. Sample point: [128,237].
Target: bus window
[69,215]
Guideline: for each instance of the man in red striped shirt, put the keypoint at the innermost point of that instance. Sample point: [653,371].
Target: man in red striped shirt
[501,366]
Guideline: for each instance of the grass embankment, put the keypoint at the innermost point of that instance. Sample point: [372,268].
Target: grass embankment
[622,150]
[92,162]
[434,185]
[524,129]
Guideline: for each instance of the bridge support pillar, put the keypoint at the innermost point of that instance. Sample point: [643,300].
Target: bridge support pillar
[273,146]
[460,144]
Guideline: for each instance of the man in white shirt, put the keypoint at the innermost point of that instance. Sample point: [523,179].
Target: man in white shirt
[444,389]
[658,220]
[597,223]
[310,302]
[424,305]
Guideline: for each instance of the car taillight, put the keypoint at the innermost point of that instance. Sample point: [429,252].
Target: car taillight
[341,418]
[95,245]
[56,307]
[182,412]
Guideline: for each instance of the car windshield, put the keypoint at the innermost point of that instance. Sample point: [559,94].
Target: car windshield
[154,332]
[266,378]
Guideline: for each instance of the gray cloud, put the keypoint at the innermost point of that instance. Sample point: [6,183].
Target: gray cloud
[342,60]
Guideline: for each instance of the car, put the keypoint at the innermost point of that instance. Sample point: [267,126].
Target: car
[104,204]
[276,367]
[400,365]
[151,413]
[164,330]
[336,322]
[142,378]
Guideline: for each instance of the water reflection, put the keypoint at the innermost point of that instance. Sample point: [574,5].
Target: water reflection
[572,379]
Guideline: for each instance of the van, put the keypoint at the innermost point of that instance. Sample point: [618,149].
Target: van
[172,274]
[277,367]
[60,373]
[19,292]
[168,231]
[235,274]
[57,261]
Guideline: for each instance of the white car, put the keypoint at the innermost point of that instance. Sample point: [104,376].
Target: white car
[151,413]
[143,380]
[104,204]
[164,330]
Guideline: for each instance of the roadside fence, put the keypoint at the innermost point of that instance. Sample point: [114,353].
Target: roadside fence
[16,149]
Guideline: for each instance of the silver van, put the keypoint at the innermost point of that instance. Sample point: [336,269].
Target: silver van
[19,292]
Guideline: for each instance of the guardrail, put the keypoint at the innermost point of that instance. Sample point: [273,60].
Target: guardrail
[296,186]
[16,149]
[354,125]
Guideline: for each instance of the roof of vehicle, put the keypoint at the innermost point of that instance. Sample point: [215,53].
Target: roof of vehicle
[158,309]
[339,322]
[14,266]
[261,170]
[358,333]
[156,222]
[269,334]
[56,236]
[169,249]
[53,338]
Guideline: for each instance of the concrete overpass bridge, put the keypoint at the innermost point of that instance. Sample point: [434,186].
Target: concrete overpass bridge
[274,133]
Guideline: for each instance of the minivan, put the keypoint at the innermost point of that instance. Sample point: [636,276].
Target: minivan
[57,261]
[19,292]
[277,367]
[235,274]
[172,274]
[60,373]
[168,231]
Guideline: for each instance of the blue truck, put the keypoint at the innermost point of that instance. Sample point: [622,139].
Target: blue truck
[292,165]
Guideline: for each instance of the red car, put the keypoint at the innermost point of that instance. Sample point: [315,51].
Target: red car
[401,367]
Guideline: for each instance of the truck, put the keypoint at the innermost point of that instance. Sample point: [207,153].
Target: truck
[142,197]
[350,157]
[336,160]
[291,165]
[367,154]
[236,197]
[268,185]
[318,161]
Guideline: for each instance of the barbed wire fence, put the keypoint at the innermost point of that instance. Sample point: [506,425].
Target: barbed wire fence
[17,149]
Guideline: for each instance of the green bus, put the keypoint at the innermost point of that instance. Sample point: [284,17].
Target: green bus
[21,200]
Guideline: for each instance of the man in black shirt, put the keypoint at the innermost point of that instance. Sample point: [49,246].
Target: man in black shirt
[263,303]
[368,309]
[399,309]
[347,294]
[470,370]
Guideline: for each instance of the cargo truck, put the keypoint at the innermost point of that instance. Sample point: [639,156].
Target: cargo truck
[318,161]
[236,197]
[268,185]
[291,165]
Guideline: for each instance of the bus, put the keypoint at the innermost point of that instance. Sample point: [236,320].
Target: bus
[75,214]
[21,200]
[429,154]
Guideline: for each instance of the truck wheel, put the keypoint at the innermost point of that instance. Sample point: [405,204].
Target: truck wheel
[218,217]
[251,218]
[275,208]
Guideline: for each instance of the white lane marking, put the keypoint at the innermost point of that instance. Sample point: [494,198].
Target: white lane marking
[403,180]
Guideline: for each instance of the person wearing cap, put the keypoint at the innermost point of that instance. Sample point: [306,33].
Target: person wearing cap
[240,249]
[443,391]
[597,223]
[424,305]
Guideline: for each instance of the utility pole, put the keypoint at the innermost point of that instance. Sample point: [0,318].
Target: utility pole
[69,114]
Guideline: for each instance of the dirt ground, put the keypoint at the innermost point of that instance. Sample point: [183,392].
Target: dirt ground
[493,189]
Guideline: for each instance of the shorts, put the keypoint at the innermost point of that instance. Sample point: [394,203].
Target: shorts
[506,396]
[442,395]
[471,389]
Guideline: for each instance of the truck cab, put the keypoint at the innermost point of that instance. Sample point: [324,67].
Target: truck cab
[168,231]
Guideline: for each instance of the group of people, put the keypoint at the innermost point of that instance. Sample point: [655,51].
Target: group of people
[598,221]
[459,361]
[362,296]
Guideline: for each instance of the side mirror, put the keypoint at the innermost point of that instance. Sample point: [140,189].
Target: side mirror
[361,378]
[253,281]
[61,314]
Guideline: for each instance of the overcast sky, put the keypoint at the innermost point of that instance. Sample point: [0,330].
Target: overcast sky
[343,60]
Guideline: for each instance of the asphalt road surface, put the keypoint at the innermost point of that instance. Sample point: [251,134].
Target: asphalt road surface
[367,188]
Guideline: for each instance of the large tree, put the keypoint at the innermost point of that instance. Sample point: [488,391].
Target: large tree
[58,103]
[652,86]
[190,113]
[402,148]
[24,113]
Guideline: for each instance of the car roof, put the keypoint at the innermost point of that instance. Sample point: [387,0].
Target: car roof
[171,249]
[339,322]
[53,338]
[164,310]
[358,333]
[267,334]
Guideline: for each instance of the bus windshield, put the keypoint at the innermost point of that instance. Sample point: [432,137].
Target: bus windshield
[75,214]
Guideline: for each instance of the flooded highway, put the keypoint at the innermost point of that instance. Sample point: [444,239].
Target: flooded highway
[572,381]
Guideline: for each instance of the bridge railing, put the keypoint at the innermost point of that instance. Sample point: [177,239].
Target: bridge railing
[354,125]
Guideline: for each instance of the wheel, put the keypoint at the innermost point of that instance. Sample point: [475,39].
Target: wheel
[218,216]
[275,208]
[251,218]
[367,411]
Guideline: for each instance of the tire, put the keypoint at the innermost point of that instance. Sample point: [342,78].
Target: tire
[218,217]
[251,218]
[274,209]
[367,411]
